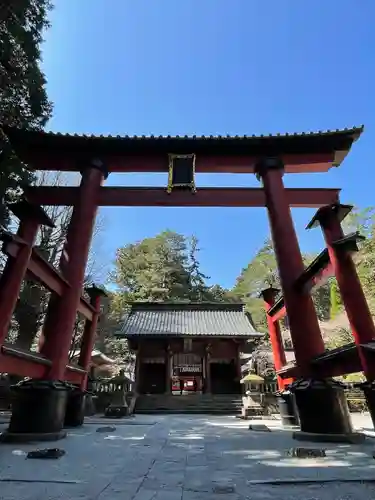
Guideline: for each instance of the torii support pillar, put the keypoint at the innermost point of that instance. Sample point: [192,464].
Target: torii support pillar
[44,407]
[268,295]
[312,395]
[75,410]
[53,303]
[285,399]
[354,300]
[31,217]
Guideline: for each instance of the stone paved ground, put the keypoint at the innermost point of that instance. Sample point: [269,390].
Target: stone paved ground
[185,458]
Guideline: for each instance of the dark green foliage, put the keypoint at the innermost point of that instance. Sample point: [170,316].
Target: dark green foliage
[262,273]
[13,177]
[23,97]
[162,268]
[364,222]
[198,288]
[334,299]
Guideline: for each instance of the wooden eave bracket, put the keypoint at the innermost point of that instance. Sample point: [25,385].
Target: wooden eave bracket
[318,264]
[7,237]
[334,353]
[340,209]
[279,304]
[43,272]
[289,370]
[369,347]
[349,242]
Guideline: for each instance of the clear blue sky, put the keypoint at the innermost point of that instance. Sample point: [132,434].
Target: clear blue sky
[215,67]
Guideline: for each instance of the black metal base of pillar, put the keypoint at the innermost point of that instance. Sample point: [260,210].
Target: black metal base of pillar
[116,411]
[322,407]
[38,411]
[352,438]
[24,437]
[75,408]
[369,392]
[288,409]
[90,406]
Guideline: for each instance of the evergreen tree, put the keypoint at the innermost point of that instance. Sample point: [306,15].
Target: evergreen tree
[334,299]
[260,273]
[165,267]
[154,269]
[23,97]
[198,289]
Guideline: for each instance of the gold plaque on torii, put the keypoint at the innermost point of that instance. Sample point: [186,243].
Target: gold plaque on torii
[181,172]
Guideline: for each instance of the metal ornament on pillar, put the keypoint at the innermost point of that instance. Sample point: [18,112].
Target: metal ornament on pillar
[99,164]
[271,163]
[181,172]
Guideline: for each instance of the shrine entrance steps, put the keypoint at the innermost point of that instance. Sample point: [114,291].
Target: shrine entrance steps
[213,404]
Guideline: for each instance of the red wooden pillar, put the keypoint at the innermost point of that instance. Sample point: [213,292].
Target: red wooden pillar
[238,361]
[137,371]
[208,369]
[58,333]
[350,287]
[303,322]
[269,295]
[53,303]
[168,369]
[88,339]
[76,402]
[31,218]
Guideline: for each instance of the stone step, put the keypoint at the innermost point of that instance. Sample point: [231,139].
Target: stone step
[191,401]
[189,398]
[180,405]
[187,403]
[191,408]
[224,404]
[188,411]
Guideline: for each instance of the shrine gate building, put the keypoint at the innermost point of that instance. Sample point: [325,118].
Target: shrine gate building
[189,346]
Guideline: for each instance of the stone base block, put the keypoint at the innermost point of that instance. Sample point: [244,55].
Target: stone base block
[116,411]
[259,428]
[288,409]
[250,412]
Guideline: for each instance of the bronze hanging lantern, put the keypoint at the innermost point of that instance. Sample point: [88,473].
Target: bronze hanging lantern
[181,174]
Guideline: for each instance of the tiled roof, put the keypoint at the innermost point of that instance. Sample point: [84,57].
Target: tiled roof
[96,354]
[347,131]
[321,140]
[158,319]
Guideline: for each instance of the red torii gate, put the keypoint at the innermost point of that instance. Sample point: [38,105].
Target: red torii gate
[269,157]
